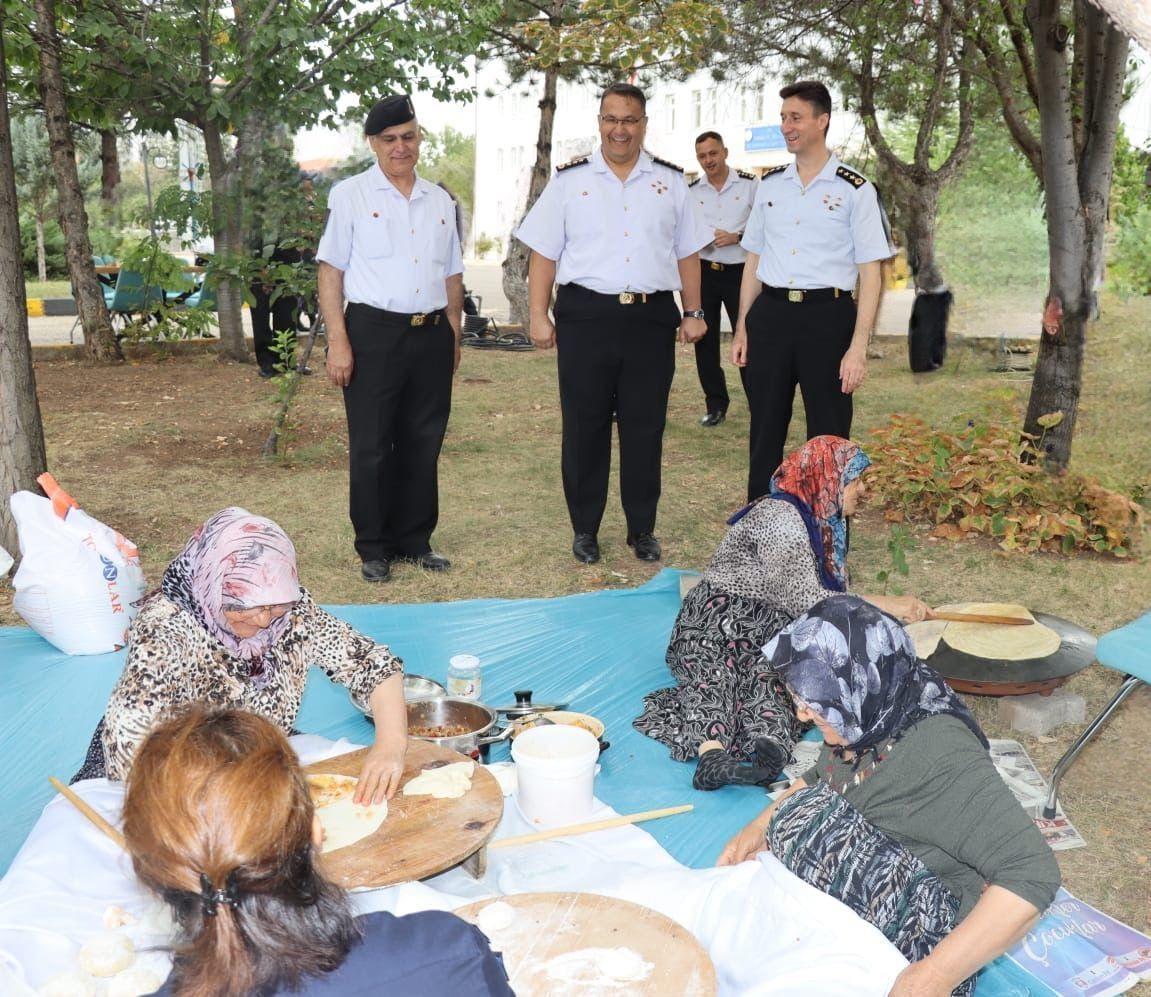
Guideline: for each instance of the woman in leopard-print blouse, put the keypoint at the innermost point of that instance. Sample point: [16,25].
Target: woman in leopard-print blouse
[781,555]
[231,627]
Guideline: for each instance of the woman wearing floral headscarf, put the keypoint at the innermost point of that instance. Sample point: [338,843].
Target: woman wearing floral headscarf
[231,627]
[903,817]
[781,555]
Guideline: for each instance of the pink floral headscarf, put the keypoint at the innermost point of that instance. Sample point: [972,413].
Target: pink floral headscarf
[235,561]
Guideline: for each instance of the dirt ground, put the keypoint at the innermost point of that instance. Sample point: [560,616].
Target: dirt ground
[157,445]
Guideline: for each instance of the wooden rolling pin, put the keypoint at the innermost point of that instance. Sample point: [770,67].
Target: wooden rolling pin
[1013,621]
[88,811]
[595,825]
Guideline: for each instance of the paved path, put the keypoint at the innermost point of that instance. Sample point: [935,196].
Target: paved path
[484,277]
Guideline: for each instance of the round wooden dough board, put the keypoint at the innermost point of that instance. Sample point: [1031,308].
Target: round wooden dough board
[421,835]
[552,924]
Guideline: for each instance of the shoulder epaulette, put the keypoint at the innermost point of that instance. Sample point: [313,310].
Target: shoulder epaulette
[746,175]
[692,183]
[851,177]
[772,171]
[578,161]
[664,162]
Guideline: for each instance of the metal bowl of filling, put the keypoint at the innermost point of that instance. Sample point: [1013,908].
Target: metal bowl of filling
[418,687]
[460,724]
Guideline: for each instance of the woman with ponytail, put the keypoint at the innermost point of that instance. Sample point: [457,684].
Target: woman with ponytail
[219,822]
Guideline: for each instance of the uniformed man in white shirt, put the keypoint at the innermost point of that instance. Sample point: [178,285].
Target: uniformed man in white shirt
[617,231]
[816,228]
[390,250]
[725,197]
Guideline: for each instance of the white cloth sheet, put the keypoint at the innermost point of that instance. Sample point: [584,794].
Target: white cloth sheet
[767,932]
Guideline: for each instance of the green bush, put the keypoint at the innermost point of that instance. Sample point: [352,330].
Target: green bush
[1130,260]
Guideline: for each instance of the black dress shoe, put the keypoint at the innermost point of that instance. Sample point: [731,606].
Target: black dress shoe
[267,372]
[429,561]
[713,418]
[646,546]
[376,571]
[585,548]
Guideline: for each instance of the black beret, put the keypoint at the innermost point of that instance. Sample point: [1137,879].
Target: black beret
[394,110]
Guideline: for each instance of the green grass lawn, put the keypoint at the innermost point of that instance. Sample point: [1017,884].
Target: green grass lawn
[48,288]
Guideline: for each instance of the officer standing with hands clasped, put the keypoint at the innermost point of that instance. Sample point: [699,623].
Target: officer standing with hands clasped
[816,226]
[618,233]
[391,250]
[725,197]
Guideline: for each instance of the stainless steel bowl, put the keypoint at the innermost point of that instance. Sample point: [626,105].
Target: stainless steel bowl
[418,687]
[436,711]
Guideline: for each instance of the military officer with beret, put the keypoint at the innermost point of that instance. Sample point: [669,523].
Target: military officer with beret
[816,228]
[391,252]
[618,233]
[725,197]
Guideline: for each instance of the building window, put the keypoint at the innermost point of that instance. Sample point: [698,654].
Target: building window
[499,160]
[671,113]
[696,108]
[711,104]
[759,95]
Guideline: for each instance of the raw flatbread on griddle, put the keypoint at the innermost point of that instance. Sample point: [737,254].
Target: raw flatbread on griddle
[446,782]
[998,641]
[344,821]
[925,636]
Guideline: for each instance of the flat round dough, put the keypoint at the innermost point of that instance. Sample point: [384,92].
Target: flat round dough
[107,954]
[445,782]
[134,982]
[344,821]
[997,641]
[72,983]
[925,636]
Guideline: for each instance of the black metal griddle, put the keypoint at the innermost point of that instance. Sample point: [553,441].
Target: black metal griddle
[996,677]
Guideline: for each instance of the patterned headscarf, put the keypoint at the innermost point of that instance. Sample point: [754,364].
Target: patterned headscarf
[812,479]
[235,561]
[856,667]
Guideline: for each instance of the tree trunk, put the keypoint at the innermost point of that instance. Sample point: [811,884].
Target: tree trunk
[41,252]
[22,456]
[109,167]
[1078,191]
[921,210]
[515,264]
[228,241]
[99,339]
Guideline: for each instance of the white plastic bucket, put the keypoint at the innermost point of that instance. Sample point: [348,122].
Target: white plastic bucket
[555,772]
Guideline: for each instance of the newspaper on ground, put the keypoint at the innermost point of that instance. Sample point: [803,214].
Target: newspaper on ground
[1030,788]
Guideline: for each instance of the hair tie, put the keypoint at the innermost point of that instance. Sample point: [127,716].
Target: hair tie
[211,898]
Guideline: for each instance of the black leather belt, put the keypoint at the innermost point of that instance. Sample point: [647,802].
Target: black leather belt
[796,294]
[716,265]
[404,318]
[623,297]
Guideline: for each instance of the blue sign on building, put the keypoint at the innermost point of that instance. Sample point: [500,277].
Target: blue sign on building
[760,137]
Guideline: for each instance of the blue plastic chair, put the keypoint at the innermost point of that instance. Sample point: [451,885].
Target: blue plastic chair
[203,297]
[1128,651]
[131,297]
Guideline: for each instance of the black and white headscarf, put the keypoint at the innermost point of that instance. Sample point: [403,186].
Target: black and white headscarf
[856,667]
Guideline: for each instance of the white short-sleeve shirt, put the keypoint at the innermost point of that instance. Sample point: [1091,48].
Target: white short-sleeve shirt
[816,236]
[727,209]
[396,252]
[611,235]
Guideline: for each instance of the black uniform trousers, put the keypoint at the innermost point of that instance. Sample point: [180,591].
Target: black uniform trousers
[270,317]
[397,406]
[717,288]
[791,343]
[621,358]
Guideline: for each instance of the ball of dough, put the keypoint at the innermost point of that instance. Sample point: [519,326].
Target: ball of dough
[134,982]
[70,984]
[623,964]
[107,954]
[495,917]
[117,917]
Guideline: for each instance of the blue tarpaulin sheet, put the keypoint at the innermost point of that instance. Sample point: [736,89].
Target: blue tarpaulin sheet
[599,652]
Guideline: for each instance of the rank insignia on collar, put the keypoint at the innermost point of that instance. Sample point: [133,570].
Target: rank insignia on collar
[578,161]
[851,177]
[772,171]
[745,174]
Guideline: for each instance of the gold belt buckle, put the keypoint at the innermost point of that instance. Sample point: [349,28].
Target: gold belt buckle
[714,265]
[627,298]
[795,295]
[419,319]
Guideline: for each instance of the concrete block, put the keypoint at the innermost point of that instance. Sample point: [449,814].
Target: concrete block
[1036,714]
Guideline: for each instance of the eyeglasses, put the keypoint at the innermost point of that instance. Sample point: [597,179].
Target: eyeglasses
[611,121]
[254,612]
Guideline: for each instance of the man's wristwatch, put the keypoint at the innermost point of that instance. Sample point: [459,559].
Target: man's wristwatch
[698,313]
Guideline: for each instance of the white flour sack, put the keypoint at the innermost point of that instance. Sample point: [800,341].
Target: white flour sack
[77,578]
